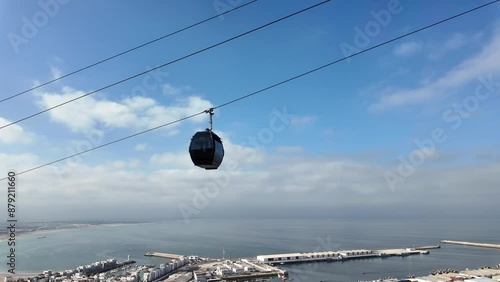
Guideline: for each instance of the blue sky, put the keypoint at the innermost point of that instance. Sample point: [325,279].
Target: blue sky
[348,127]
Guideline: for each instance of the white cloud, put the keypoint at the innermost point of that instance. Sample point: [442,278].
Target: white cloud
[453,42]
[141,147]
[56,73]
[301,121]
[135,112]
[139,103]
[16,163]
[176,160]
[456,41]
[407,48]
[120,164]
[170,90]
[116,188]
[243,155]
[484,63]
[14,134]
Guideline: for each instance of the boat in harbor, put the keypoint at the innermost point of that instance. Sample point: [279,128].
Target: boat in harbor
[283,276]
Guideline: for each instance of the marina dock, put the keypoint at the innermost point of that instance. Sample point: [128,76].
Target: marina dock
[482,245]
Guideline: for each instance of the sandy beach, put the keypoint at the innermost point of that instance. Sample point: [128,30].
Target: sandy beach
[5,237]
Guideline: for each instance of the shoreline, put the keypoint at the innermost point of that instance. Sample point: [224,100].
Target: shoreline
[5,237]
[20,274]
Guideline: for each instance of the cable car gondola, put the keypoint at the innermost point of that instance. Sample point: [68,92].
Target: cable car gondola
[206,148]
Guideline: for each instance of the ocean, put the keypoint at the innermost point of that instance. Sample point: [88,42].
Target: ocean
[67,249]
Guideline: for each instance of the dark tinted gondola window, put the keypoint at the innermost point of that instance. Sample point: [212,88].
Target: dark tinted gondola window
[203,142]
[219,152]
[218,147]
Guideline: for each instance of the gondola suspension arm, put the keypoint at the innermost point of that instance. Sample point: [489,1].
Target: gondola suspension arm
[211,113]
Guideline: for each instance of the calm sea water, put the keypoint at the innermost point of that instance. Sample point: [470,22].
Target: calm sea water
[251,237]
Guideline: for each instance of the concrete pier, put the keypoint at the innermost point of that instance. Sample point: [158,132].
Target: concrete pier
[164,255]
[341,255]
[428,247]
[482,245]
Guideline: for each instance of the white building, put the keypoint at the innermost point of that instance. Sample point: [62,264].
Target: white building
[296,257]
[237,270]
[356,253]
[222,271]
[249,269]
[145,276]
[194,258]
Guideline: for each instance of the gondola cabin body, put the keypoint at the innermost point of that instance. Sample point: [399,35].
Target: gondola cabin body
[206,150]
